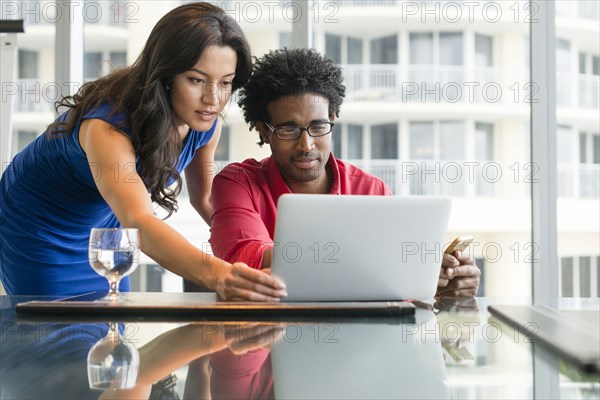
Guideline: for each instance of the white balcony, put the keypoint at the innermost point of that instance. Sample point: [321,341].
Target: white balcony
[582,181]
[33,96]
[461,178]
[48,12]
[425,84]
[589,91]
[584,9]
[454,178]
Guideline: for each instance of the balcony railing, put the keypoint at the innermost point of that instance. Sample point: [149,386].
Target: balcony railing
[31,95]
[48,12]
[582,181]
[584,9]
[589,91]
[460,178]
[435,177]
[408,4]
[424,83]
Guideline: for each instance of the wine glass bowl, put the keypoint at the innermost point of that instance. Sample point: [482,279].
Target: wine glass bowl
[113,362]
[114,253]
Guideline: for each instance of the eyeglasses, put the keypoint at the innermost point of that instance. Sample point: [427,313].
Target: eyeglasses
[292,132]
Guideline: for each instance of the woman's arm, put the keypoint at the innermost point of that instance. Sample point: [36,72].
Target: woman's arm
[199,176]
[112,159]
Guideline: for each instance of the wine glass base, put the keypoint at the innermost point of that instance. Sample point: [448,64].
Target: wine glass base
[113,298]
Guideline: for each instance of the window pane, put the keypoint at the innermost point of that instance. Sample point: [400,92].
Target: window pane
[118,59]
[28,64]
[567,276]
[582,63]
[452,140]
[22,139]
[384,50]
[92,66]
[451,48]
[585,276]
[333,48]
[563,69]
[285,39]
[565,161]
[355,142]
[484,141]
[384,141]
[598,276]
[222,150]
[421,141]
[596,148]
[336,138]
[596,65]
[483,51]
[355,53]
[421,48]
[565,144]
[582,147]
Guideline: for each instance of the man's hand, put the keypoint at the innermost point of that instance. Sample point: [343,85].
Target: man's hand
[242,283]
[459,276]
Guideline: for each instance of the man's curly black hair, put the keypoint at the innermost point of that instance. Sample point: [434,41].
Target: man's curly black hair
[290,72]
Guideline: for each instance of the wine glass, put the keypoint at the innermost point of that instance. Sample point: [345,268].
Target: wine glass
[114,253]
[113,362]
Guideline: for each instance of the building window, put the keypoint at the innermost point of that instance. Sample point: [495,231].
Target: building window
[92,65]
[118,59]
[451,48]
[222,150]
[566,273]
[355,51]
[585,276]
[563,72]
[481,264]
[589,168]
[484,141]
[384,50]
[333,48]
[484,51]
[384,142]
[336,141]
[452,140]
[28,64]
[578,275]
[21,139]
[355,142]
[564,161]
[285,40]
[421,141]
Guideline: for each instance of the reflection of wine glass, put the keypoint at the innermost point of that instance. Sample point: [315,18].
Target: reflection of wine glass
[114,254]
[112,361]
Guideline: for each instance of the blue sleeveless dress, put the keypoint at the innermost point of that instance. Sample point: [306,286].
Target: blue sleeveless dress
[48,204]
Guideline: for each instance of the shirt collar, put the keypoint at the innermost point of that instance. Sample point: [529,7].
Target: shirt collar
[278,186]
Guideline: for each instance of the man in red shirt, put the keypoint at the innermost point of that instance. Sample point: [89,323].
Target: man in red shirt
[292,99]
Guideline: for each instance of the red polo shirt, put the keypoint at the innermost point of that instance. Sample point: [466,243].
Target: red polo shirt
[244,199]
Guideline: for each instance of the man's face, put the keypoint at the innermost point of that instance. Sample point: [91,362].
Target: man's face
[301,161]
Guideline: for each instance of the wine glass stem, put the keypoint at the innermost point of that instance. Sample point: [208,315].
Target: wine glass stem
[114,288]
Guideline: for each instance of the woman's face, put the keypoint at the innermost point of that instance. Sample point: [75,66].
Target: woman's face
[199,95]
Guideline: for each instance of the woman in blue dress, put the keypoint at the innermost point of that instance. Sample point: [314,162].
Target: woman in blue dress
[121,145]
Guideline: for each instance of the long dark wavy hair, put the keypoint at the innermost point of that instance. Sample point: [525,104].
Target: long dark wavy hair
[173,47]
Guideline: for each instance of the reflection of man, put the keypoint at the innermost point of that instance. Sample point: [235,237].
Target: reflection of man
[292,99]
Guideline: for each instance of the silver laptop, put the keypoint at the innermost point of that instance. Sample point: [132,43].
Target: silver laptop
[360,361]
[359,248]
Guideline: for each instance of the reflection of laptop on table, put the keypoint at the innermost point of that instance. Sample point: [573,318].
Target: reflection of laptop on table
[342,248]
[574,334]
[360,361]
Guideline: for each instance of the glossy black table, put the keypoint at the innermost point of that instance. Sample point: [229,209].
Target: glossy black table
[453,349]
